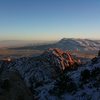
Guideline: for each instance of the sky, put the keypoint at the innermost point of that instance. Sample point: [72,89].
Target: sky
[49,19]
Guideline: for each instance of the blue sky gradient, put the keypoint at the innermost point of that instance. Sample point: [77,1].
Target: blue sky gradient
[49,19]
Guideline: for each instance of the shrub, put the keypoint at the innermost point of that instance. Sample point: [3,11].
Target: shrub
[85,75]
[95,72]
[94,60]
[64,84]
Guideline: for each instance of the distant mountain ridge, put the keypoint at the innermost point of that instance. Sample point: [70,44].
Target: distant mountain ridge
[69,44]
[81,44]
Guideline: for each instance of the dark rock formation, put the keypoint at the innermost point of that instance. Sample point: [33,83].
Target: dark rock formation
[12,87]
[99,53]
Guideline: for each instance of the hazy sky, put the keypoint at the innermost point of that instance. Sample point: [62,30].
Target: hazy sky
[49,19]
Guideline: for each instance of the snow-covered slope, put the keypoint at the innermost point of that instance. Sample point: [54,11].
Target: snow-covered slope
[80,44]
[47,81]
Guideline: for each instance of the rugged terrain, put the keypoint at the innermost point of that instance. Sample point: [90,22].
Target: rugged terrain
[54,75]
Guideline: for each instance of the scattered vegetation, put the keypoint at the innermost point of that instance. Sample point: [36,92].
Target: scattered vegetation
[63,85]
[95,72]
[85,75]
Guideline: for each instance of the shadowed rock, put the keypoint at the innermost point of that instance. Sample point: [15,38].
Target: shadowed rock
[12,87]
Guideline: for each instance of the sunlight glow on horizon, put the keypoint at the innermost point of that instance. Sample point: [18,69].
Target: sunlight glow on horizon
[48,37]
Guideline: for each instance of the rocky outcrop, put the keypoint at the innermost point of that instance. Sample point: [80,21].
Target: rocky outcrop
[60,58]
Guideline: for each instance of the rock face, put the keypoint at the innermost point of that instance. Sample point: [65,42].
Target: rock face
[61,58]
